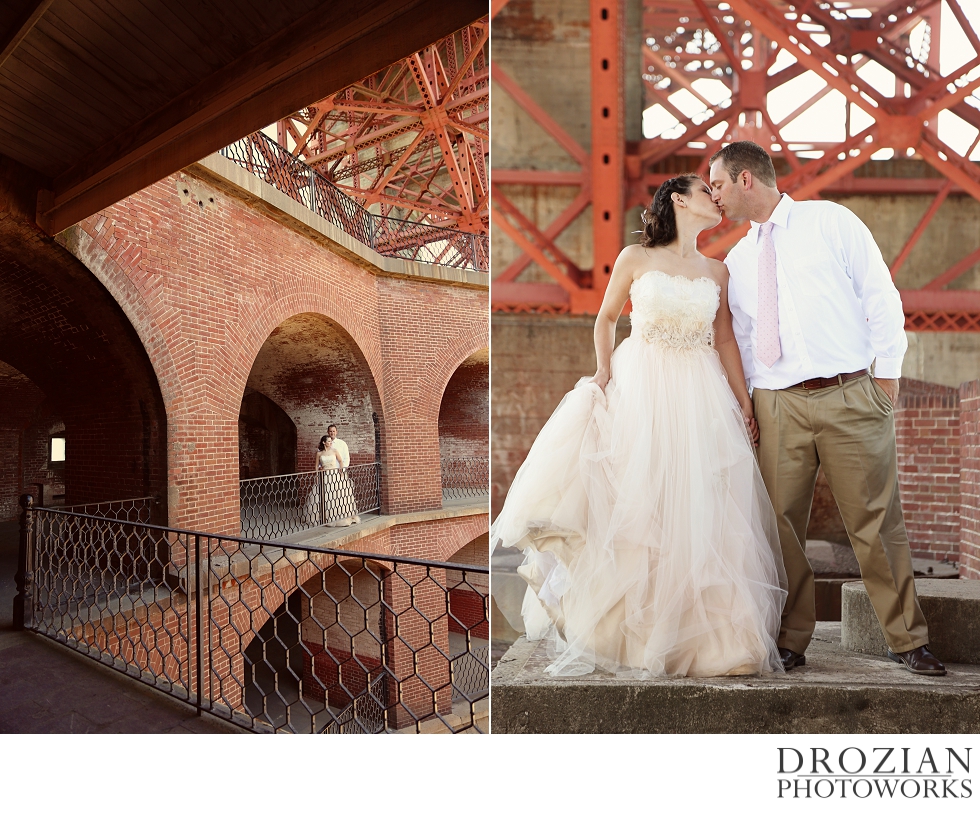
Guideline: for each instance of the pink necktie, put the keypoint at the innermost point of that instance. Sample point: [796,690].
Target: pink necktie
[767,333]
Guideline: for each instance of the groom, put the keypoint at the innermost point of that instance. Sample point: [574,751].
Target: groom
[813,305]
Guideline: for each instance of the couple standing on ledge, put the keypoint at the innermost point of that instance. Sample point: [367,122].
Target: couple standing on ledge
[657,541]
[335,492]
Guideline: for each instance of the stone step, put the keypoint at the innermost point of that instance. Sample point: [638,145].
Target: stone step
[951,608]
[837,691]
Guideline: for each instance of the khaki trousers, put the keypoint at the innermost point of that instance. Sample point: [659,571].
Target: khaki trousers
[849,430]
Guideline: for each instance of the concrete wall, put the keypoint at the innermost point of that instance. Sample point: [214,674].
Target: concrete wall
[970,480]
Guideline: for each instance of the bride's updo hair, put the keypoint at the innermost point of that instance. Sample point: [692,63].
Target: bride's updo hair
[323,443]
[659,224]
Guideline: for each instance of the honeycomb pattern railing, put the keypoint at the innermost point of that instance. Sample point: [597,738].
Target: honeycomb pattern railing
[467,477]
[270,637]
[392,237]
[128,509]
[284,504]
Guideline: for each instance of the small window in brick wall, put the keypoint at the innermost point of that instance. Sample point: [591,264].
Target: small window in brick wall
[56,453]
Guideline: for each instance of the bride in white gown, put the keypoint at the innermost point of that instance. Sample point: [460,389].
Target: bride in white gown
[650,543]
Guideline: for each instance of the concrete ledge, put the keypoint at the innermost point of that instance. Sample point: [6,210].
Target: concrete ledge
[836,692]
[259,560]
[228,176]
[347,536]
[951,607]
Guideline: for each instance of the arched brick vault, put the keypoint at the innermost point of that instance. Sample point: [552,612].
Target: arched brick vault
[464,412]
[67,334]
[206,278]
[314,371]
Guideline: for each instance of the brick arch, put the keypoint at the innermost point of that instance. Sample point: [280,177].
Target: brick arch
[457,351]
[313,369]
[83,348]
[464,421]
[468,602]
[108,259]
[286,583]
[338,308]
[471,552]
[437,539]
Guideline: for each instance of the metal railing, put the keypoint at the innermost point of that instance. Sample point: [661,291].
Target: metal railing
[393,237]
[467,477]
[283,504]
[128,509]
[270,637]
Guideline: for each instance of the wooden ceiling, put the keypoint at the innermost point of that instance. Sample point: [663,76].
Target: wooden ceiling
[104,97]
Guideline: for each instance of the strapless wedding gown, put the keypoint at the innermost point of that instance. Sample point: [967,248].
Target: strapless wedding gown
[650,541]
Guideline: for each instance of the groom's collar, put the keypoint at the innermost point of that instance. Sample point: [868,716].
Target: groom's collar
[779,217]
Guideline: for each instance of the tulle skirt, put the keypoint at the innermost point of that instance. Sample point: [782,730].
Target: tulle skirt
[650,543]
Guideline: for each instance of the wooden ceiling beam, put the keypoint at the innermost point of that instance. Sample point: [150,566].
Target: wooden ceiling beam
[317,55]
[15,36]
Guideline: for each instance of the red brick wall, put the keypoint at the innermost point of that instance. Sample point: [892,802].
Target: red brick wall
[20,435]
[927,430]
[63,330]
[970,480]
[313,370]
[205,279]
[266,438]
[114,449]
[464,416]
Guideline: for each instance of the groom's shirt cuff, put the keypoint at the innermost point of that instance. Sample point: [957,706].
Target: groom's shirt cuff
[888,367]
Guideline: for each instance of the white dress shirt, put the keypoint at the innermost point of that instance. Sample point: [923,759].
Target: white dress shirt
[342,452]
[838,307]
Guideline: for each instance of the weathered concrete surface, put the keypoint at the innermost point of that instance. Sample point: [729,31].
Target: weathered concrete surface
[836,692]
[951,607]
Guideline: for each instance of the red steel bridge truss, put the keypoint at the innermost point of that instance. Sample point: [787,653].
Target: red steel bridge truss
[412,141]
[737,42]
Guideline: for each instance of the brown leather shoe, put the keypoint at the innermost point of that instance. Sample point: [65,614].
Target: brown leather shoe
[919,661]
[791,659]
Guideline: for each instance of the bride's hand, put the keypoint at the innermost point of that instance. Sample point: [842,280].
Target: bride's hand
[748,416]
[601,379]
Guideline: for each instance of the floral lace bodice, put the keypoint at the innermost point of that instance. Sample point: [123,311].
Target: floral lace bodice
[327,460]
[675,312]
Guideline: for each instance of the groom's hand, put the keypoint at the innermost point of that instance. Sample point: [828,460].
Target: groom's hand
[748,416]
[890,387]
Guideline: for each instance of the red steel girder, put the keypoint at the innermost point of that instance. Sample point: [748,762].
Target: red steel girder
[538,245]
[412,140]
[899,122]
[608,21]
[920,227]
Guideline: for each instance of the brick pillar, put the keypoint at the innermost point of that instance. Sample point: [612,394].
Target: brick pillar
[970,480]
[417,645]
[412,474]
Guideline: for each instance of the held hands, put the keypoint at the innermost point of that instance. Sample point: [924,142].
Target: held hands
[748,416]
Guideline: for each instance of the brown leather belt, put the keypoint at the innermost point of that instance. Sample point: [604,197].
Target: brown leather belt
[829,381]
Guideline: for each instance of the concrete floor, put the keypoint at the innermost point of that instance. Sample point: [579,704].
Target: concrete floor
[48,688]
[837,691]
